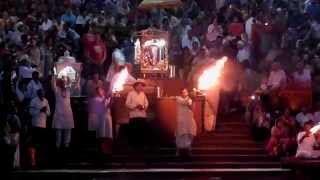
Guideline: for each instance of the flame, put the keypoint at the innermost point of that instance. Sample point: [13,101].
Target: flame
[120,80]
[210,76]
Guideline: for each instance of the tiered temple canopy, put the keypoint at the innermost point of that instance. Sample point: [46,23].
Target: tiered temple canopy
[150,4]
[151,51]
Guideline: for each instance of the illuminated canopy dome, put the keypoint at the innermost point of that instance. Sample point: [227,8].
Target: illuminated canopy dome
[149,4]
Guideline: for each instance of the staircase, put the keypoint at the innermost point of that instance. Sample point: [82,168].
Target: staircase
[228,153]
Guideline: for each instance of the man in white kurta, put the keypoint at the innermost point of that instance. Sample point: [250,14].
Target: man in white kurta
[302,76]
[186,125]
[137,103]
[277,78]
[63,116]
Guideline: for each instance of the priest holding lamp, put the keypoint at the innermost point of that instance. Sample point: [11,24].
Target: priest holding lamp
[137,103]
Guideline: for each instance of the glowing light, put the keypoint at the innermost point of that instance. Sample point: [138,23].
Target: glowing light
[68,71]
[120,81]
[155,42]
[315,129]
[210,76]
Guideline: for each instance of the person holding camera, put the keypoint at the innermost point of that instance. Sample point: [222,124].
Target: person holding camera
[39,110]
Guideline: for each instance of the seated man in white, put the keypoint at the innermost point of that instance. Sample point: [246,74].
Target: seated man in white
[302,76]
[277,77]
[307,145]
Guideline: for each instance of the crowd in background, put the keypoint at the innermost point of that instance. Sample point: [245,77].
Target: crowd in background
[101,35]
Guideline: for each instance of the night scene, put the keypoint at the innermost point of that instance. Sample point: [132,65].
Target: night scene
[159,89]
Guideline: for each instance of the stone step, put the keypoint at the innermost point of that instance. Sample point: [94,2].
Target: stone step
[206,150]
[217,140]
[158,174]
[224,144]
[214,142]
[193,164]
[228,130]
[155,158]
[224,135]
[234,125]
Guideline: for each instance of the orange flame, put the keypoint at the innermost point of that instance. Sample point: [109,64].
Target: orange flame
[120,80]
[210,76]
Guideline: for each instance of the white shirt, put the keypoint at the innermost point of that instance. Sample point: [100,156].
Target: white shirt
[185,120]
[39,119]
[81,20]
[277,79]
[186,29]
[46,25]
[188,43]
[243,54]
[305,148]
[25,72]
[303,79]
[301,118]
[133,100]
[32,89]
[213,32]
[248,27]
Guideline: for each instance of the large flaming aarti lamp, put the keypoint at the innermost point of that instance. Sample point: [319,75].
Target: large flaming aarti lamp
[209,86]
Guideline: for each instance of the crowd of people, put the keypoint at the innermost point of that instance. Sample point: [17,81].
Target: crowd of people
[270,46]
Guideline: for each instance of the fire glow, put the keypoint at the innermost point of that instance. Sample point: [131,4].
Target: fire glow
[120,81]
[315,129]
[210,76]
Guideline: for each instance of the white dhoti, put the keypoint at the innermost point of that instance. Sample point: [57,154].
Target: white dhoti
[184,141]
[102,124]
[186,125]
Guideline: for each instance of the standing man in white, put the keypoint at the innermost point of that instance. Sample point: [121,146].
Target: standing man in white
[186,125]
[137,103]
[63,121]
